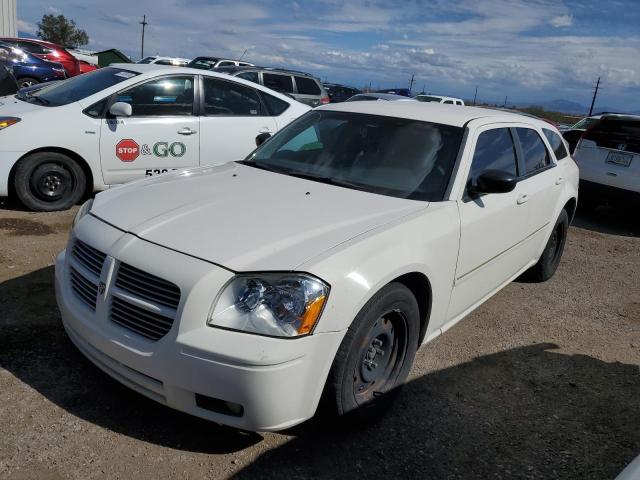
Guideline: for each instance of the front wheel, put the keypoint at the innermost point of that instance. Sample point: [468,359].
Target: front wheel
[552,253]
[49,181]
[27,82]
[376,354]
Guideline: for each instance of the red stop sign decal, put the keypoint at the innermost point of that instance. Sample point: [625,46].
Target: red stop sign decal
[127,150]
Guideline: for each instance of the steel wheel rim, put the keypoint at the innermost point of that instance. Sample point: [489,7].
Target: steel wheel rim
[50,183]
[380,357]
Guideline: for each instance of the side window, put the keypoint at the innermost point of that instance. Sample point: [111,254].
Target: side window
[307,86]
[251,76]
[97,109]
[458,102]
[494,151]
[33,48]
[230,98]
[448,102]
[556,143]
[279,83]
[274,105]
[535,153]
[167,96]
[226,64]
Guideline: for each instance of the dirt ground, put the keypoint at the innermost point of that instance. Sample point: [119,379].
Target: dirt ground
[542,381]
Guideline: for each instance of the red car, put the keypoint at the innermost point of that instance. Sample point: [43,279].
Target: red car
[47,51]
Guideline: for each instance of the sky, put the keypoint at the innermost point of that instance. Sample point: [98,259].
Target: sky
[528,50]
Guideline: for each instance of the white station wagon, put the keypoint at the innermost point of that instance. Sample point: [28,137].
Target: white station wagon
[319,264]
[125,122]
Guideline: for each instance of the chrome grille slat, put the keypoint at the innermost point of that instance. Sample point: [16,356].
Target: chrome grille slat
[89,257]
[84,288]
[124,305]
[147,286]
[139,320]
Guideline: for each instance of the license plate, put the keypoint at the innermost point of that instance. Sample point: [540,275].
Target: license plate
[617,158]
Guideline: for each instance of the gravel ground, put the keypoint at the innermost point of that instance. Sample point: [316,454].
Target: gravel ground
[542,381]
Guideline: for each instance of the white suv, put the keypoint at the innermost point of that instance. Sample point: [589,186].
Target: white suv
[608,155]
[439,99]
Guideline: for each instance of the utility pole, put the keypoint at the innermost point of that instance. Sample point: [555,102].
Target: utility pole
[243,53]
[144,23]
[595,94]
[475,95]
[505,102]
[411,83]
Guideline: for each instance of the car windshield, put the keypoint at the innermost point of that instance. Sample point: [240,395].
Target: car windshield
[426,98]
[390,156]
[203,63]
[77,88]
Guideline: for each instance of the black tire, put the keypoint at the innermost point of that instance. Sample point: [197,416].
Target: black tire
[376,355]
[27,82]
[552,253]
[49,181]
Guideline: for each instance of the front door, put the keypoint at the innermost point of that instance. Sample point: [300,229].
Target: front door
[161,135]
[492,226]
[232,117]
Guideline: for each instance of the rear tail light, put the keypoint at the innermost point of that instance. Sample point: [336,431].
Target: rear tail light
[325,100]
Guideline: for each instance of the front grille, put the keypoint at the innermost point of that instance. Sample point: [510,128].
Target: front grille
[147,286]
[85,289]
[140,320]
[89,257]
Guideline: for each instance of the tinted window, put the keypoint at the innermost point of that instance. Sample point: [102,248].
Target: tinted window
[307,86]
[448,102]
[166,96]
[227,64]
[494,151]
[251,76]
[33,48]
[164,62]
[557,145]
[147,60]
[616,133]
[202,63]
[458,102]
[426,98]
[274,105]
[77,88]
[97,109]
[391,156]
[533,148]
[279,83]
[228,98]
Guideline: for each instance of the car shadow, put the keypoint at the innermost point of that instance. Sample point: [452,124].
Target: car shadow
[527,412]
[609,219]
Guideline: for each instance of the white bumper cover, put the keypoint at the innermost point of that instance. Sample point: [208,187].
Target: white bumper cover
[278,382]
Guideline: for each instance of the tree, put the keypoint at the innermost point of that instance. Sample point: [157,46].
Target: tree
[58,29]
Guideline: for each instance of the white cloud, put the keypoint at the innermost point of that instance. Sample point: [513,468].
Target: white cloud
[27,27]
[54,10]
[562,21]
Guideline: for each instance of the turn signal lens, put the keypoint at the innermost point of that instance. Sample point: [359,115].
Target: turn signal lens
[8,121]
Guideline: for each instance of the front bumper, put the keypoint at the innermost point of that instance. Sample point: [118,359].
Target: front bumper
[278,382]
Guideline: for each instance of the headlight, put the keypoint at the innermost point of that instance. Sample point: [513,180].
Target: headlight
[8,121]
[276,304]
[84,209]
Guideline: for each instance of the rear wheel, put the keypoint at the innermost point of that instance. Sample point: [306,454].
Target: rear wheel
[27,82]
[552,253]
[48,181]
[376,354]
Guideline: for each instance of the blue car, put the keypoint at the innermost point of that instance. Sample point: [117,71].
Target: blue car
[28,69]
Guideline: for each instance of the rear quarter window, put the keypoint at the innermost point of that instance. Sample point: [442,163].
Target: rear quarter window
[557,145]
[277,82]
[307,86]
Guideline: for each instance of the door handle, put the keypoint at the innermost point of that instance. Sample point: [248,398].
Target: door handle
[522,199]
[559,180]
[186,131]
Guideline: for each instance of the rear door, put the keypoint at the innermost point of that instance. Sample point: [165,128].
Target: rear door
[232,116]
[307,91]
[161,135]
[609,153]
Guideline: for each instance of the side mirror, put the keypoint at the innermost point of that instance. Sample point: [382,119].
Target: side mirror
[494,181]
[121,109]
[263,137]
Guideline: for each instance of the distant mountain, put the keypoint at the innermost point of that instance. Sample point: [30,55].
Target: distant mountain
[567,106]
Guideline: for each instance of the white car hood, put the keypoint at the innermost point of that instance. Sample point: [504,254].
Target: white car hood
[11,106]
[244,218]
